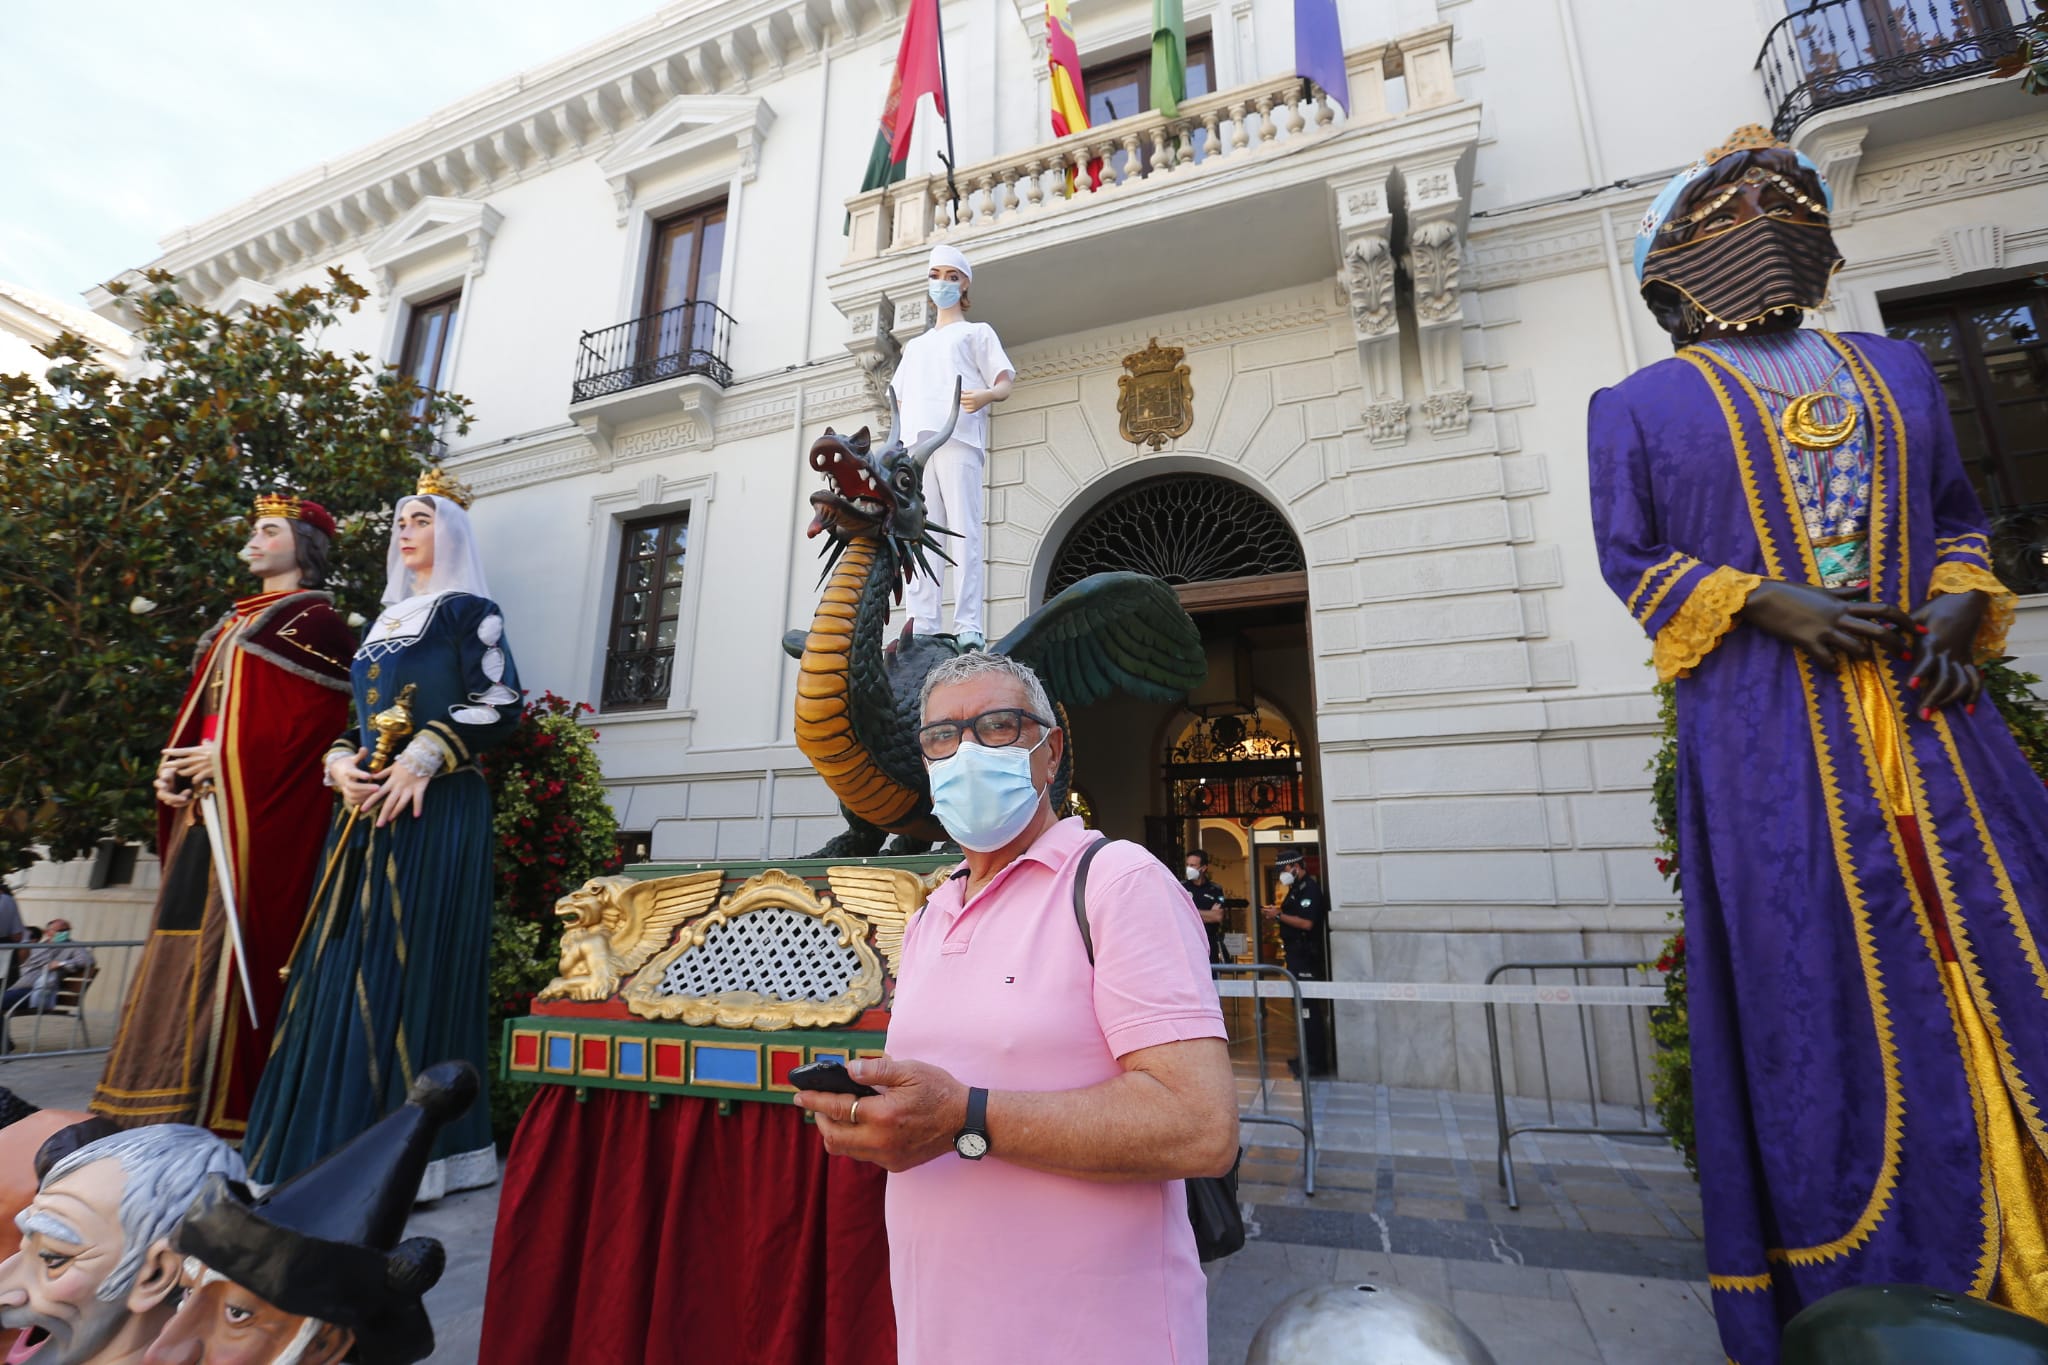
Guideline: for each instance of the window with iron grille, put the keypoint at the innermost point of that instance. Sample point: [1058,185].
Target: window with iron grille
[1990,348]
[647,605]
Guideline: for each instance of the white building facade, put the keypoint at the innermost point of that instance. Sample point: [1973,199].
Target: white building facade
[650,268]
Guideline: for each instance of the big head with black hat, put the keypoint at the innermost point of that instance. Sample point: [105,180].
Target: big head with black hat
[315,1272]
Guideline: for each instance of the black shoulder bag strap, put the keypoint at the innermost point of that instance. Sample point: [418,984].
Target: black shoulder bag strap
[1213,1209]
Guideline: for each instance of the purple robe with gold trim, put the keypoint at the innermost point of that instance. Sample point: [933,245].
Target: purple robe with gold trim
[1866,1113]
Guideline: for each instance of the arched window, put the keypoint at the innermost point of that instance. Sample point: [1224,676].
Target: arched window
[1184,528]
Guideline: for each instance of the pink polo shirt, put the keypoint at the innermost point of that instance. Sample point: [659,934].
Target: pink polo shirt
[993,1263]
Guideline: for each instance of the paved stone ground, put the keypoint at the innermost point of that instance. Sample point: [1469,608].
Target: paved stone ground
[1601,1265]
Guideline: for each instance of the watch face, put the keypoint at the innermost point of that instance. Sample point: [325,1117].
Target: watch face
[973,1146]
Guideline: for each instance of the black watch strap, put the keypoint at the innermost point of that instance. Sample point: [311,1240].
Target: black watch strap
[972,1142]
[977,1110]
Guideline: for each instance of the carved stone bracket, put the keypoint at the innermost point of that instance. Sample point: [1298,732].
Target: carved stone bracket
[1365,232]
[1434,259]
[871,337]
[1838,152]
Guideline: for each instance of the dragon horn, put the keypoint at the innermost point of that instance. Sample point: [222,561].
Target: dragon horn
[895,414]
[921,453]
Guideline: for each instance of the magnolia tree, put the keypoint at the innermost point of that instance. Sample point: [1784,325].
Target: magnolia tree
[123,501]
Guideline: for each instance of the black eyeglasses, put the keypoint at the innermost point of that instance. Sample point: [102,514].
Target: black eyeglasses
[992,730]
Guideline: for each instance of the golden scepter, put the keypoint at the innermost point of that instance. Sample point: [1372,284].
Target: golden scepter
[392,724]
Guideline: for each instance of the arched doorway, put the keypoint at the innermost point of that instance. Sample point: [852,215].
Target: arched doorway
[1232,770]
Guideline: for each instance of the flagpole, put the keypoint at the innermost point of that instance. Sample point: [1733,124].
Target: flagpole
[946,94]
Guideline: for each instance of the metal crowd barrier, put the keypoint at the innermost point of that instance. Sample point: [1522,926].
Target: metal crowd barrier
[1306,1125]
[1583,995]
[83,1002]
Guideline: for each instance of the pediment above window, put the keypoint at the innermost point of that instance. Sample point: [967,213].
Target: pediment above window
[436,229]
[711,139]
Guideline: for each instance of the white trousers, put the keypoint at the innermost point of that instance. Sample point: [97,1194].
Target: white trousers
[954,499]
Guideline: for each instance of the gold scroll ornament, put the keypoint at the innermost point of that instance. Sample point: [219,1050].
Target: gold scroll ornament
[1155,397]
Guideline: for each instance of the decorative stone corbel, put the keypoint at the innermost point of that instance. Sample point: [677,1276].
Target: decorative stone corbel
[1365,226]
[1433,261]
[1838,152]
[871,339]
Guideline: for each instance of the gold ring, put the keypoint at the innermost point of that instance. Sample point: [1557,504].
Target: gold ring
[853,1114]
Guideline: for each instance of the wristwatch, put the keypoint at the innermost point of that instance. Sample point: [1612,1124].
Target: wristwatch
[972,1142]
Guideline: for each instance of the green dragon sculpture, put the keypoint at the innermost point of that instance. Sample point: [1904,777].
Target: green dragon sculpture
[857,701]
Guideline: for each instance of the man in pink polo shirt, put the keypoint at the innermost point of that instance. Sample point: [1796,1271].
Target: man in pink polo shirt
[1037,1115]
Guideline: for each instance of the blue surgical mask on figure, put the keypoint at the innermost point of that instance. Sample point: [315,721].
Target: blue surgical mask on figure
[985,797]
[945,293]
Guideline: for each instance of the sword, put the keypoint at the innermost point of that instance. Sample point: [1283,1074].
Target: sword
[216,838]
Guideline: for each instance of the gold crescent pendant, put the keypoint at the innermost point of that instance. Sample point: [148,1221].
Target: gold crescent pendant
[1802,428]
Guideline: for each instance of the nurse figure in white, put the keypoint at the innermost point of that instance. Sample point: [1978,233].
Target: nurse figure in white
[969,352]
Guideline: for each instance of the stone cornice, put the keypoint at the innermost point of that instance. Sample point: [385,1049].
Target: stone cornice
[581,105]
[1552,239]
[1980,167]
[823,393]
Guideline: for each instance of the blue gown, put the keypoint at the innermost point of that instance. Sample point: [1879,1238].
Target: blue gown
[389,975]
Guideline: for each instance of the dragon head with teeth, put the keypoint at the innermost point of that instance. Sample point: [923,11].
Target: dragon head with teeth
[879,494]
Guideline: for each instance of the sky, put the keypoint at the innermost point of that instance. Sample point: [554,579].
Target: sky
[125,121]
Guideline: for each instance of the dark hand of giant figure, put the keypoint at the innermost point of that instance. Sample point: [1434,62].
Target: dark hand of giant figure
[1948,674]
[1826,625]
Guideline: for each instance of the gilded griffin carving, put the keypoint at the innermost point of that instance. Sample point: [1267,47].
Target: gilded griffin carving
[614,924]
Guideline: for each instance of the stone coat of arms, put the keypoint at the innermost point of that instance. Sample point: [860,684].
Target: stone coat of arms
[1156,397]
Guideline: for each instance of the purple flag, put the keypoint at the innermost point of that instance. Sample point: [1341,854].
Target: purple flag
[1319,49]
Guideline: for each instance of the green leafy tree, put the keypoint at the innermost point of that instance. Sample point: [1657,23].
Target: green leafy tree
[552,830]
[2010,689]
[2029,60]
[123,501]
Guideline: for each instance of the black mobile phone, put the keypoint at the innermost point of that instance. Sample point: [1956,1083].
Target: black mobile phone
[830,1077]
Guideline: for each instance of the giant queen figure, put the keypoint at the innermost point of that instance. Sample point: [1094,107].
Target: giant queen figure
[269,691]
[389,974]
[1865,849]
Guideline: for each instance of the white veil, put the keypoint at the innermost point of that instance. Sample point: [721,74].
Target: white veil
[457,565]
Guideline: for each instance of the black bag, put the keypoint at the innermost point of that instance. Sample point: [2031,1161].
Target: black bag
[1213,1210]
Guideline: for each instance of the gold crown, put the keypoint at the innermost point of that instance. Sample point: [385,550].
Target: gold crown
[439,484]
[1750,137]
[1154,359]
[275,505]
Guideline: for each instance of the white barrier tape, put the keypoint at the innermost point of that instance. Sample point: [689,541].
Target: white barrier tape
[1444,992]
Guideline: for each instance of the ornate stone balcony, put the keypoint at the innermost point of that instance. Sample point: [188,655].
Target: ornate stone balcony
[1245,191]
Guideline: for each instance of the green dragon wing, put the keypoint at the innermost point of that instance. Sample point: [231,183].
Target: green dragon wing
[1111,632]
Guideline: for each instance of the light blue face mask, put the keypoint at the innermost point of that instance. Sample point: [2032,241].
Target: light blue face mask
[945,293]
[985,797]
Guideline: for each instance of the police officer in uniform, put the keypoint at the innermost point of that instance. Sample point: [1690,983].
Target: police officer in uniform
[1209,899]
[1302,912]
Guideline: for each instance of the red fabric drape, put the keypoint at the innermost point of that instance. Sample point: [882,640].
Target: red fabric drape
[633,1234]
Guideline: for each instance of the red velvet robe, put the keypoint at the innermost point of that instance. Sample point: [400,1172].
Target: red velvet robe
[186,1052]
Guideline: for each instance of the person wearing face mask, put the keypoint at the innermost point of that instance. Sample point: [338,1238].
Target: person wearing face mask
[390,974]
[1784,512]
[1036,1112]
[1301,908]
[269,688]
[42,975]
[1208,898]
[969,355]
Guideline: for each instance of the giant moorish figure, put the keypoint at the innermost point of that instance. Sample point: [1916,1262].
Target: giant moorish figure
[1865,849]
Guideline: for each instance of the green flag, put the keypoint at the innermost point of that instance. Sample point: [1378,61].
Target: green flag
[1169,57]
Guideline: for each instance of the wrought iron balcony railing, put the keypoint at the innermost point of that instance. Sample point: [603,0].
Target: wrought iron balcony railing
[690,338]
[1841,52]
[639,680]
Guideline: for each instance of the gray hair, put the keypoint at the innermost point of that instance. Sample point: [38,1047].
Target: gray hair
[163,1167]
[974,664]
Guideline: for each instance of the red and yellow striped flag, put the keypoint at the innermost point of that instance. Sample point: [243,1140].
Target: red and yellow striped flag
[1069,97]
